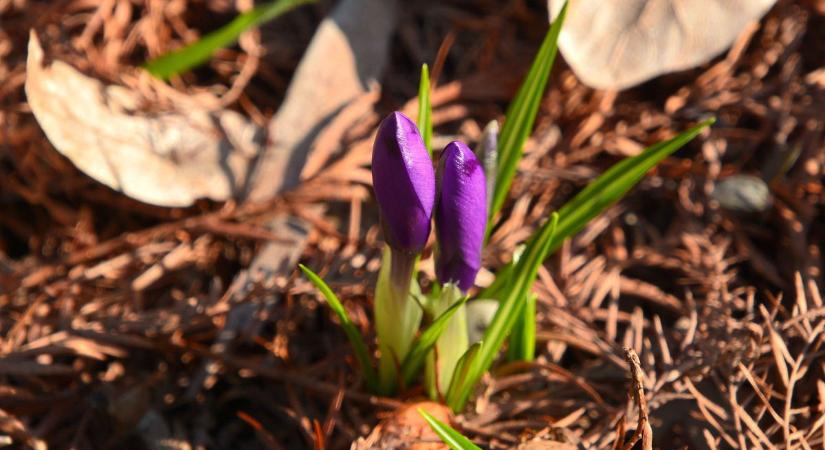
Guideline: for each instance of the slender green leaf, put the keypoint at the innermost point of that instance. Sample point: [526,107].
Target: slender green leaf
[186,58]
[599,195]
[448,434]
[460,373]
[521,114]
[425,109]
[572,217]
[421,346]
[396,316]
[523,338]
[354,336]
[452,343]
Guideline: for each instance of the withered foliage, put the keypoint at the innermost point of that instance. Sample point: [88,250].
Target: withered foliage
[124,325]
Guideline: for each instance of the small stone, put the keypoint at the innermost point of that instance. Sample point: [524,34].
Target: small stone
[744,193]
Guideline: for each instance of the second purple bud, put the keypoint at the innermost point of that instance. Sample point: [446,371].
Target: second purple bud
[461,216]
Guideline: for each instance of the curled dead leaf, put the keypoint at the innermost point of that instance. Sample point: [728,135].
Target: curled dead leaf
[406,428]
[616,44]
[348,50]
[168,158]
[545,445]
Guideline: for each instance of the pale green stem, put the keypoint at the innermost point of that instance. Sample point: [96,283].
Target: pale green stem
[449,347]
[397,315]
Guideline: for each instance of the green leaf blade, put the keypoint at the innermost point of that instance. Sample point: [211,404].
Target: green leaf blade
[460,374]
[425,109]
[522,342]
[352,333]
[571,218]
[194,54]
[448,434]
[615,183]
[602,193]
[412,363]
[521,114]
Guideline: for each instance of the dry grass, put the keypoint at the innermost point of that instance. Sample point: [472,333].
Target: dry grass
[120,320]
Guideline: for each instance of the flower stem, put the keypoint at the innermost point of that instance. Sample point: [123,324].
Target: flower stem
[397,315]
[449,347]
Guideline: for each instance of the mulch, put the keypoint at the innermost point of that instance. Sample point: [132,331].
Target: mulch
[121,326]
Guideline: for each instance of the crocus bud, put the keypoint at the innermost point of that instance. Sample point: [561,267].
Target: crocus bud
[404,183]
[461,216]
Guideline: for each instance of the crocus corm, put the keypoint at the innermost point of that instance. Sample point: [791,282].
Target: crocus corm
[461,216]
[404,183]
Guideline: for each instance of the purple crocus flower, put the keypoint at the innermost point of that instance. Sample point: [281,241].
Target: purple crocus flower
[404,183]
[461,216]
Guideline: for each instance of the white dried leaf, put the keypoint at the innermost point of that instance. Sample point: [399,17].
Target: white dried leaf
[616,44]
[169,158]
[349,49]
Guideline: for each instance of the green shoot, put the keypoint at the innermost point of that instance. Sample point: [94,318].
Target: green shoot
[521,115]
[460,372]
[354,336]
[425,109]
[448,434]
[523,338]
[194,54]
[422,346]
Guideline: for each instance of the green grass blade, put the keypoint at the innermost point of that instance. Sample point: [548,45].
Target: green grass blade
[522,342]
[448,434]
[521,114]
[425,109]
[354,336]
[460,373]
[422,346]
[181,60]
[601,194]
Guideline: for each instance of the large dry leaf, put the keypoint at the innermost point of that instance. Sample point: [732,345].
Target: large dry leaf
[348,50]
[616,44]
[166,158]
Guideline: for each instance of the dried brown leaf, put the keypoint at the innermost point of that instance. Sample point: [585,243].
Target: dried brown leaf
[617,44]
[168,158]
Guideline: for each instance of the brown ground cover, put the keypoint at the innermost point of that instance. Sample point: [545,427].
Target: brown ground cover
[121,326]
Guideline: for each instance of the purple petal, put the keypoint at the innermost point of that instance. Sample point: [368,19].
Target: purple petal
[461,216]
[404,183]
